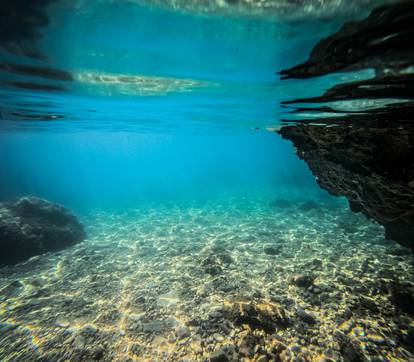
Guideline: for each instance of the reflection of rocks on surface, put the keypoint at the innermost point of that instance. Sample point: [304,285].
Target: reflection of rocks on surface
[33,226]
[382,40]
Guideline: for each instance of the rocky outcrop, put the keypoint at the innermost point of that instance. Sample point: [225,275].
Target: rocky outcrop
[367,153]
[32,226]
[372,167]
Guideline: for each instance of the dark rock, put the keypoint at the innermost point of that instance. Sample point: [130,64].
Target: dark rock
[372,167]
[407,339]
[402,296]
[213,263]
[349,348]
[305,316]
[304,280]
[272,250]
[219,356]
[398,251]
[368,304]
[98,353]
[213,270]
[352,352]
[264,316]
[33,226]
[248,343]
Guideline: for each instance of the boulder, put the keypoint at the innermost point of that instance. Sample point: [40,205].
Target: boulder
[32,226]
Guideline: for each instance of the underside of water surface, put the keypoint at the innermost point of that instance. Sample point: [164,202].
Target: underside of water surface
[206,180]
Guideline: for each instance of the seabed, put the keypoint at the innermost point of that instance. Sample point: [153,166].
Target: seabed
[235,279]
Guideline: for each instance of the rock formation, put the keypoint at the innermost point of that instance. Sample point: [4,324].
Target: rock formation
[366,155]
[372,167]
[32,226]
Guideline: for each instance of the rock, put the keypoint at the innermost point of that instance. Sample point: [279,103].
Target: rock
[305,316]
[32,226]
[272,250]
[352,352]
[211,265]
[89,329]
[182,332]
[402,295]
[265,316]
[98,353]
[375,338]
[371,166]
[368,304]
[62,321]
[79,342]
[367,157]
[155,326]
[136,349]
[398,251]
[12,289]
[219,356]
[248,344]
[304,280]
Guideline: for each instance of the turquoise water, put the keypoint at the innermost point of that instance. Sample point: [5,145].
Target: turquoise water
[160,103]
[163,105]
[156,127]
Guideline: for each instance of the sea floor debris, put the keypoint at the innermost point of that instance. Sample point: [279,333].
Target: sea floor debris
[224,280]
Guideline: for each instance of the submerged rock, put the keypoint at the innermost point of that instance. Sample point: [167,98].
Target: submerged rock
[371,166]
[219,356]
[272,249]
[304,280]
[264,316]
[402,296]
[32,226]
[305,316]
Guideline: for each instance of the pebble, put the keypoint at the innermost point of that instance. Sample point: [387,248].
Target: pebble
[218,337]
[182,332]
[79,342]
[219,356]
[304,280]
[305,316]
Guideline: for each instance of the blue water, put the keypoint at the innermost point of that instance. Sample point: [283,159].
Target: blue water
[163,104]
[119,169]
[160,103]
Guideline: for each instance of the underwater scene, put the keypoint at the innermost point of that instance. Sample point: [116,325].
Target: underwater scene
[192,180]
